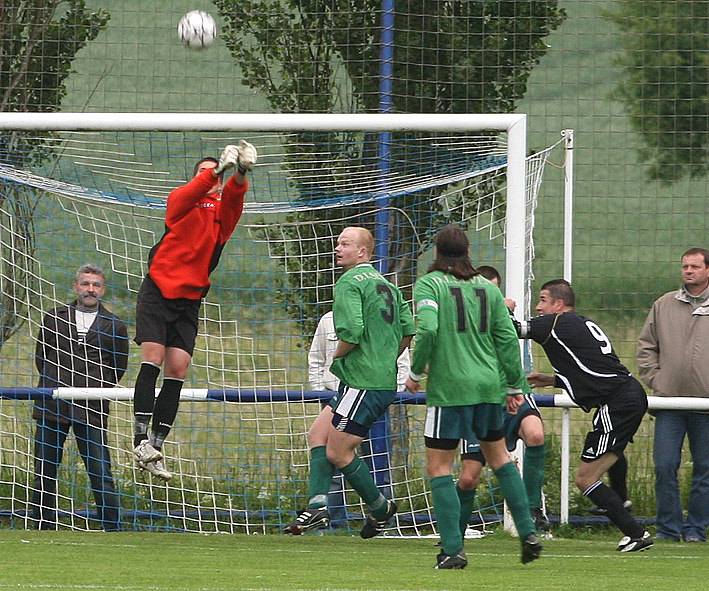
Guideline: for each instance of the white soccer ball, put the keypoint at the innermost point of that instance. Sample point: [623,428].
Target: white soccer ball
[197,29]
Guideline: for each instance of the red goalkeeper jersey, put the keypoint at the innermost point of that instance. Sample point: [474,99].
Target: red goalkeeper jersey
[197,226]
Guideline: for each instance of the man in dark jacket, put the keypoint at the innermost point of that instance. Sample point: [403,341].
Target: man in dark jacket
[81,344]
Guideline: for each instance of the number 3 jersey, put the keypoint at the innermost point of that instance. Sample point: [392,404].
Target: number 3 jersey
[584,362]
[371,313]
[465,337]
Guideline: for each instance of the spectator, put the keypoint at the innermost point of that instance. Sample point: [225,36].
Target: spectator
[81,344]
[673,361]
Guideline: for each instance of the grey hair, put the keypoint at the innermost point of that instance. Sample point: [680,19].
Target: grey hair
[89,268]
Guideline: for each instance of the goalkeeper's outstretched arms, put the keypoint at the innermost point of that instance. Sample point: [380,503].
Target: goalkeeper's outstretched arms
[241,157]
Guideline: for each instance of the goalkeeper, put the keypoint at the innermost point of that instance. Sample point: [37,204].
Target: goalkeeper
[200,218]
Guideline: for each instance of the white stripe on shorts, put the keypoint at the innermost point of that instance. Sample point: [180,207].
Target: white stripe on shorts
[432,426]
[350,402]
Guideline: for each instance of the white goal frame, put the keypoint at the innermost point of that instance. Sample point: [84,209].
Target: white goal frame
[515,125]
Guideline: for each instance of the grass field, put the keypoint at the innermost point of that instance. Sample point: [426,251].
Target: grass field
[155,562]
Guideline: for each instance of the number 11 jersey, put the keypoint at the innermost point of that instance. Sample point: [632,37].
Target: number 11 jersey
[465,337]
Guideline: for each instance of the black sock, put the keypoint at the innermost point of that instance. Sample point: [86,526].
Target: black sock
[165,411]
[604,497]
[144,400]
[618,477]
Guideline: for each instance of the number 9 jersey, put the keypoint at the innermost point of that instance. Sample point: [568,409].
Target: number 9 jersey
[584,362]
[465,337]
[369,312]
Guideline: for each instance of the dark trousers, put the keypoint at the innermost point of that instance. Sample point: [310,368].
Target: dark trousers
[49,442]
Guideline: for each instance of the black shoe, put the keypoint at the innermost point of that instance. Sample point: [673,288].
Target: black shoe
[628,544]
[373,527]
[457,562]
[541,521]
[308,519]
[531,548]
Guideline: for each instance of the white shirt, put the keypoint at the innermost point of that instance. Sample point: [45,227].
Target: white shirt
[84,320]
[322,351]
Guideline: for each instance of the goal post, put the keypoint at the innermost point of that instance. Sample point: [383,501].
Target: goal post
[97,183]
[515,125]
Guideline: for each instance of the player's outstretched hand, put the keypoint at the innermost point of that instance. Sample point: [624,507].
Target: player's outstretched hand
[540,380]
[228,159]
[247,156]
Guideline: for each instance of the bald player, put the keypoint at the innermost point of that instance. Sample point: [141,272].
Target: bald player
[374,325]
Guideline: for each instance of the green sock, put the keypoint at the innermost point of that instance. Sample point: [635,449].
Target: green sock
[533,474]
[467,501]
[359,478]
[447,507]
[321,471]
[512,489]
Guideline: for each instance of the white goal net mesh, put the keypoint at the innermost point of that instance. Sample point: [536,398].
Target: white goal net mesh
[238,449]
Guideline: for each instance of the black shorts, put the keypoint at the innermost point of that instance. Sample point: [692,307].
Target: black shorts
[172,323]
[615,422]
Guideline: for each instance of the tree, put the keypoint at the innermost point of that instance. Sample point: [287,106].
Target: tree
[39,40]
[455,56]
[665,83]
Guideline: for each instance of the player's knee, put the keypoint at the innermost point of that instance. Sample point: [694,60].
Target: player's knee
[468,481]
[155,358]
[317,436]
[339,457]
[532,431]
[534,438]
[583,481]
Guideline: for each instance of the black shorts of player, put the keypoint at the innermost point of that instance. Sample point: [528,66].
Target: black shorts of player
[448,444]
[615,422]
[470,450]
[445,426]
[172,323]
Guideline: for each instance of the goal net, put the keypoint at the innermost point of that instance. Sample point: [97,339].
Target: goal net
[92,188]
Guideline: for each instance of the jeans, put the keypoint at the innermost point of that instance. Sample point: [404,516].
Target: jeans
[49,442]
[671,426]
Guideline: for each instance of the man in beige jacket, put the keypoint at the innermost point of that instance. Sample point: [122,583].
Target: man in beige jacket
[673,360]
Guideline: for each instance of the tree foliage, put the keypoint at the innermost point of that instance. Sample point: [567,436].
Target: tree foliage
[39,39]
[665,83]
[454,56]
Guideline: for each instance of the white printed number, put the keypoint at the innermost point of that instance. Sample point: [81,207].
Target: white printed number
[600,336]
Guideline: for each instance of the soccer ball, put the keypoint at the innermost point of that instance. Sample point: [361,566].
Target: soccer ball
[197,29]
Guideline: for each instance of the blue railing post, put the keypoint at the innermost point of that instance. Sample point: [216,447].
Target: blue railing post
[380,432]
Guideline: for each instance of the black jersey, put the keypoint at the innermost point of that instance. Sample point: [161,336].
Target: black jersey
[584,362]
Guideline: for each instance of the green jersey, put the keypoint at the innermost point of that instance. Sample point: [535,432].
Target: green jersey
[371,313]
[465,337]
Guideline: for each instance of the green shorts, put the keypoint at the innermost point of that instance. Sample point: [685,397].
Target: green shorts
[445,426]
[357,410]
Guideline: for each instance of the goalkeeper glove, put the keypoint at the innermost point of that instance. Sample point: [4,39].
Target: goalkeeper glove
[228,159]
[247,156]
